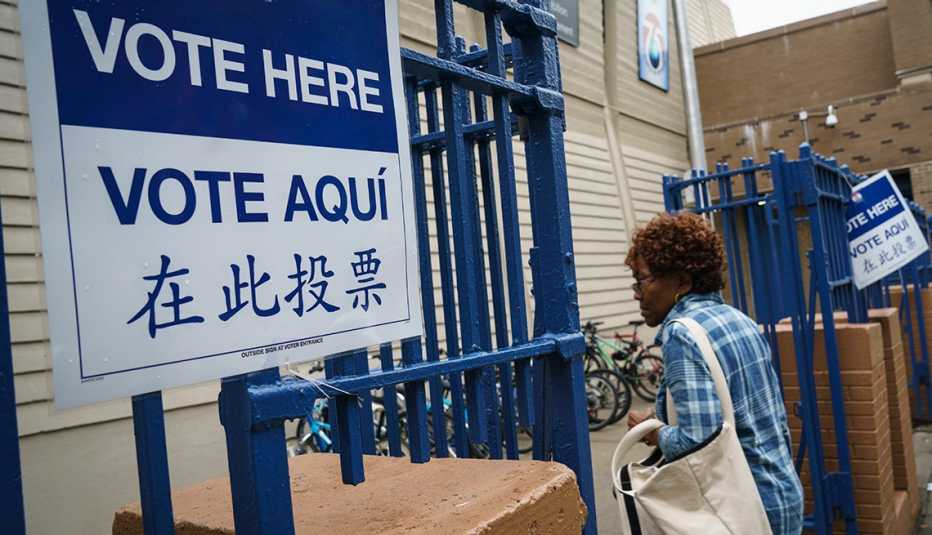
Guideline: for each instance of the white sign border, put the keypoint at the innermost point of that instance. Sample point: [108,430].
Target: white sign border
[48,157]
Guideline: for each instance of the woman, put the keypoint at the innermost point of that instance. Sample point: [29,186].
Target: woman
[678,263]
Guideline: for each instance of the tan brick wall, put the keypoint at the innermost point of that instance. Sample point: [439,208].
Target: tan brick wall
[912,40]
[921,177]
[890,130]
[811,63]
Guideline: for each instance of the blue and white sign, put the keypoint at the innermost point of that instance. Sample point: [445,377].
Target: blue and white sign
[223,186]
[882,232]
[653,43]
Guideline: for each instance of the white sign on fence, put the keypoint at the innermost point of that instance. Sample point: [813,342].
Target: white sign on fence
[223,187]
[882,233]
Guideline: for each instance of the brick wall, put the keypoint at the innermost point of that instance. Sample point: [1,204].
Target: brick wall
[814,62]
[886,131]
[912,40]
[876,403]
[921,177]
[752,89]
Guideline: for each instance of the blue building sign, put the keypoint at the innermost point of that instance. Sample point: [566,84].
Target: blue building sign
[223,186]
[654,43]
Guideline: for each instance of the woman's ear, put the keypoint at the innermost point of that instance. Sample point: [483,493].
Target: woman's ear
[684,283]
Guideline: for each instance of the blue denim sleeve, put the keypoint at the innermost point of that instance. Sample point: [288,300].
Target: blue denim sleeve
[687,377]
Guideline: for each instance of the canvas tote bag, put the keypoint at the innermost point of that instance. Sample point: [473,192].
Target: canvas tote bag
[709,490]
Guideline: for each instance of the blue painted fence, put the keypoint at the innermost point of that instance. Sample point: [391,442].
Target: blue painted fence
[914,277]
[781,202]
[490,378]
[496,382]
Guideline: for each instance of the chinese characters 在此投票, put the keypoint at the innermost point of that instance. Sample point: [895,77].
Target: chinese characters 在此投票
[246,285]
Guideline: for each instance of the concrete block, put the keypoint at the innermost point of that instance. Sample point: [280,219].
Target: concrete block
[442,496]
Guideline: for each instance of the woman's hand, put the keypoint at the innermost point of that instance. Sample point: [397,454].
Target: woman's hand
[636,417]
[651,439]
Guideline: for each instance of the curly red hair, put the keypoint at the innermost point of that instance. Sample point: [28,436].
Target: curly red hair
[682,242]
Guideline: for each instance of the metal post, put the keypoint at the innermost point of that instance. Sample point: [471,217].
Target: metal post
[785,189]
[690,88]
[840,481]
[11,484]
[552,260]
[259,480]
[152,464]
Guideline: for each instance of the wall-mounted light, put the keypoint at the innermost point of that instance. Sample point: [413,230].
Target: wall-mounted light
[831,119]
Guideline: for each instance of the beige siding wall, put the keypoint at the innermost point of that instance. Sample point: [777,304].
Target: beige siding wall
[648,126]
[710,21]
[634,98]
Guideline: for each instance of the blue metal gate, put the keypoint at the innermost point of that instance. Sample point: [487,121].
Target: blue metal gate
[912,279]
[496,383]
[808,194]
[490,379]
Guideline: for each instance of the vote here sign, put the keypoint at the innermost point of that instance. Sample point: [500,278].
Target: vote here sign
[882,233]
[223,186]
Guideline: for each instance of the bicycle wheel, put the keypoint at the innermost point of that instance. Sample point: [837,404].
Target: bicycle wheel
[525,439]
[649,369]
[623,387]
[592,361]
[601,400]
[614,375]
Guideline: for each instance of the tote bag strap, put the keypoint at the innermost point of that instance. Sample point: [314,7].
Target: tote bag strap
[715,368]
[632,437]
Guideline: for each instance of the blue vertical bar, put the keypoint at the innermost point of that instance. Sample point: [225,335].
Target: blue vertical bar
[259,480]
[728,230]
[366,431]
[488,406]
[152,464]
[552,259]
[460,433]
[392,430]
[11,479]
[463,210]
[672,194]
[922,366]
[498,293]
[821,280]
[416,404]
[514,263]
[734,214]
[905,316]
[427,275]
[345,422]
[785,190]
[330,372]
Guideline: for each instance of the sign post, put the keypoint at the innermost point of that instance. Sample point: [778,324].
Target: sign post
[222,188]
[11,479]
[883,236]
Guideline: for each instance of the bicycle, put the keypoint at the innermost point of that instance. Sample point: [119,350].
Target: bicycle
[629,358]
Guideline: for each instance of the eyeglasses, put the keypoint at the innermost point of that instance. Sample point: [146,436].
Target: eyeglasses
[639,283]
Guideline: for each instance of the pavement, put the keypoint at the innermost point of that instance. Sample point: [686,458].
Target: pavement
[604,442]
[922,445]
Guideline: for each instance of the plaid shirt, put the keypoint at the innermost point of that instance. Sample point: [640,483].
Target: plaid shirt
[760,418]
